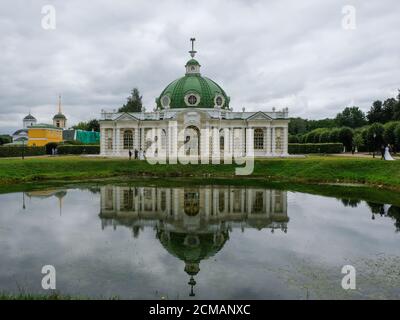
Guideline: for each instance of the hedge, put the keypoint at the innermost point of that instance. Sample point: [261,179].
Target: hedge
[78,149]
[303,148]
[16,151]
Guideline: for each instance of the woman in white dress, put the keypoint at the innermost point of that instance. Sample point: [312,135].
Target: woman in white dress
[387,154]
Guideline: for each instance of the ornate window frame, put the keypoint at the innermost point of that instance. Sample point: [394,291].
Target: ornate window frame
[258,138]
[165,106]
[188,95]
[128,139]
[215,101]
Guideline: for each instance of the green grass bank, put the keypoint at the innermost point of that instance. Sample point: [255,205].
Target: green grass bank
[310,170]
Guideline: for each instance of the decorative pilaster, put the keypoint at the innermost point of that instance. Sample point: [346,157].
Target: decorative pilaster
[285,141]
[102,141]
[118,141]
[137,139]
[273,142]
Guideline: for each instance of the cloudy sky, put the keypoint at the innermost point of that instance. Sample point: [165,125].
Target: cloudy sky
[263,53]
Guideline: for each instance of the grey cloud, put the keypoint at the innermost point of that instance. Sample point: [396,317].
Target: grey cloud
[275,53]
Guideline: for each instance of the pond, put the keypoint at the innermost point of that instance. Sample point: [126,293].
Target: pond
[206,242]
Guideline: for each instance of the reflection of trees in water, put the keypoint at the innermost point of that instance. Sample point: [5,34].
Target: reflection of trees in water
[350,202]
[377,209]
[393,212]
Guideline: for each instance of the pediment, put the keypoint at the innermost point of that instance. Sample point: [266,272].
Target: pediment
[126,117]
[259,116]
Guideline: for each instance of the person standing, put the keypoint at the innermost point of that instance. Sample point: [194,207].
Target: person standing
[387,155]
[136,154]
[383,152]
[130,154]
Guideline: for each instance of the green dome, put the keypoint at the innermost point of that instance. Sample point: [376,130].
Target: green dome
[59,116]
[183,246]
[192,62]
[193,91]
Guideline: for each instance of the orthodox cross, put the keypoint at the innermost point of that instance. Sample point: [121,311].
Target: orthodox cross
[192,52]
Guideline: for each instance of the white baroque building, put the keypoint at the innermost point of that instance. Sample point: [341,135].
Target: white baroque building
[194,113]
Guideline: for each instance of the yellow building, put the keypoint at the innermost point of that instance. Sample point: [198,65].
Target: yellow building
[41,134]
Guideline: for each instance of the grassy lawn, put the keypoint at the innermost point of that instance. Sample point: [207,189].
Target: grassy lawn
[325,169]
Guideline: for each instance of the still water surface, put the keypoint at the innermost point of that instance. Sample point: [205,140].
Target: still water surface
[201,242]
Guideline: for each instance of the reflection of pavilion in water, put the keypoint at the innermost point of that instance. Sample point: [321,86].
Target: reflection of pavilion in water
[43,194]
[193,224]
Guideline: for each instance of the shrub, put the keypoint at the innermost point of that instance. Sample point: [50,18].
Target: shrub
[293,139]
[358,141]
[334,135]
[304,148]
[388,135]
[346,137]
[375,143]
[16,151]
[78,149]
[325,136]
[72,142]
[397,136]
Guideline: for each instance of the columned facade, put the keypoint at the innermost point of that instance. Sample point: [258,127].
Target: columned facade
[195,132]
[193,117]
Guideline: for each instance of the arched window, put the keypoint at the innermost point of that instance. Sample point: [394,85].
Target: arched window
[128,139]
[109,135]
[258,202]
[221,200]
[221,142]
[163,139]
[258,139]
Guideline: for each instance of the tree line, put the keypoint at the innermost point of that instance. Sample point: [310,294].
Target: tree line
[352,127]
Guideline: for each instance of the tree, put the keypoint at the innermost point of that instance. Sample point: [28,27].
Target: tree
[293,138]
[346,137]
[93,125]
[88,126]
[358,140]
[5,139]
[323,123]
[351,117]
[297,126]
[397,136]
[325,135]
[133,103]
[334,135]
[374,143]
[388,109]
[396,113]
[375,113]
[389,135]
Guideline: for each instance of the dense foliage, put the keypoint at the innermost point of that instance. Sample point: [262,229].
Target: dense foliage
[352,128]
[133,103]
[78,149]
[17,151]
[92,125]
[5,139]
[304,148]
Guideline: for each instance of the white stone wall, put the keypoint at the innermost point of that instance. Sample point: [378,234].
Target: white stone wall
[275,132]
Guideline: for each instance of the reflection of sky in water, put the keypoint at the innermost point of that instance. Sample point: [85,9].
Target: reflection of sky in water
[322,236]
